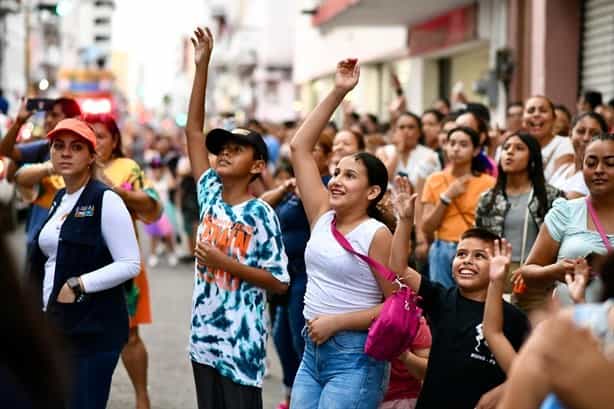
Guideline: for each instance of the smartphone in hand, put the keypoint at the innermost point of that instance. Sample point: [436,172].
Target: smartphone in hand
[39,104]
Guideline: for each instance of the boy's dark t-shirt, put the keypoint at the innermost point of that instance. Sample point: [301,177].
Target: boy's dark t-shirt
[461,368]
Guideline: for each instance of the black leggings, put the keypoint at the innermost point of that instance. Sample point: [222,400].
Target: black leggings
[215,391]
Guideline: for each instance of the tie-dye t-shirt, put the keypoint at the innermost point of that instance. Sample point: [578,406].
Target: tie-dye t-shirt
[229,328]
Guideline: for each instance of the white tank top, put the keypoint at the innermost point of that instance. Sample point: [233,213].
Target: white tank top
[337,281]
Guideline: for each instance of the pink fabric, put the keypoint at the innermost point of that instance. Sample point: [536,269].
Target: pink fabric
[598,225]
[160,228]
[403,385]
[397,324]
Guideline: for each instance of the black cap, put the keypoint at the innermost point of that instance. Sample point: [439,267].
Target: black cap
[218,137]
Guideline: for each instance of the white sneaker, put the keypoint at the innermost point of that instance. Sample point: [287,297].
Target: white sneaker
[172,260]
[153,261]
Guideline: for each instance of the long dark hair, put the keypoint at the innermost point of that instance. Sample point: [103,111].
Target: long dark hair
[29,350]
[108,122]
[535,170]
[479,163]
[377,174]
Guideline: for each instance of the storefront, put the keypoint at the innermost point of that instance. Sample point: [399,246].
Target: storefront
[598,47]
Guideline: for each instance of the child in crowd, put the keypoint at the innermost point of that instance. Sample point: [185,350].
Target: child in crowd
[459,358]
[407,372]
[162,230]
[239,251]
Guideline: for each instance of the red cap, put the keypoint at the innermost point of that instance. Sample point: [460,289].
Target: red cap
[76,126]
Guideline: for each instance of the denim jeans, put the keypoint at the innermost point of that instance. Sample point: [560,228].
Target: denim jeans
[91,379]
[287,329]
[339,375]
[441,255]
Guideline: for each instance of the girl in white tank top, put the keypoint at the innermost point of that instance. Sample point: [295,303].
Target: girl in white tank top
[343,294]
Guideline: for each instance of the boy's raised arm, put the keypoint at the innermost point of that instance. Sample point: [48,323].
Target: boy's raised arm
[197,151]
[404,205]
[492,323]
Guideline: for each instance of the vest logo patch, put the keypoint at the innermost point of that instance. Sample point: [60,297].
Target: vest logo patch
[84,211]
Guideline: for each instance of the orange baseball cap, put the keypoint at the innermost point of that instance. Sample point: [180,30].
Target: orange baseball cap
[76,126]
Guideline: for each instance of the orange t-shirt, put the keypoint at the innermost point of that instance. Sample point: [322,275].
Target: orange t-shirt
[460,215]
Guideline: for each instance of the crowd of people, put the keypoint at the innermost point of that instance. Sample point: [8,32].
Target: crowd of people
[504,233]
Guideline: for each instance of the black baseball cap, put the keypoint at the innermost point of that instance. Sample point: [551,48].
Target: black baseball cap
[218,137]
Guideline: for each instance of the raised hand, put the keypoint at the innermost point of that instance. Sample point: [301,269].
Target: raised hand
[348,72]
[23,115]
[403,200]
[578,280]
[500,259]
[203,45]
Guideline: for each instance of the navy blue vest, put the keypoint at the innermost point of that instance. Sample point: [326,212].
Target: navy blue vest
[100,323]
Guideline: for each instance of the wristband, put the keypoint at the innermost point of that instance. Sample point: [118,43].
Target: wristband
[445,200]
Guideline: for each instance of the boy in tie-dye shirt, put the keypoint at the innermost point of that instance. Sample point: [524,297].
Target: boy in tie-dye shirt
[239,255]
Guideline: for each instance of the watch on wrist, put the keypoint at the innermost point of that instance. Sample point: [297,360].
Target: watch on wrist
[445,199]
[75,285]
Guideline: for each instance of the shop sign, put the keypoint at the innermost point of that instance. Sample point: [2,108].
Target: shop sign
[452,28]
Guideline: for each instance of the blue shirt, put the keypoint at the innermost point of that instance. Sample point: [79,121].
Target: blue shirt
[229,327]
[34,152]
[295,229]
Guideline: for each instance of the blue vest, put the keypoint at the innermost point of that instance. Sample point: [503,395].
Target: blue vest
[100,323]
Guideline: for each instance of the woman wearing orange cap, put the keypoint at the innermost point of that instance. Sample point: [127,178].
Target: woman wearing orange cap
[128,180]
[84,253]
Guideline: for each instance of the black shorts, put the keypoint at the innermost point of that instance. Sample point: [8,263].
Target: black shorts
[214,391]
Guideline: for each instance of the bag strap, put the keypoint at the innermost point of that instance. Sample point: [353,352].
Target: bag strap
[525,230]
[381,269]
[598,225]
[458,209]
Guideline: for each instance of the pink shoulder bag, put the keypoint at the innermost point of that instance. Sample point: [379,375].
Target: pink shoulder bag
[395,328]
[598,225]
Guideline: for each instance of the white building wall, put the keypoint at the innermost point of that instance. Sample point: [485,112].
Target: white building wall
[12,77]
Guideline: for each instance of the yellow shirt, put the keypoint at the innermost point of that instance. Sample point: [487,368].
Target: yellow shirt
[460,214]
[126,174]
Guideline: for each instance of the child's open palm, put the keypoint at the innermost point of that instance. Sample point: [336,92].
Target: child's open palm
[348,72]
[404,201]
[500,259]
[203,45]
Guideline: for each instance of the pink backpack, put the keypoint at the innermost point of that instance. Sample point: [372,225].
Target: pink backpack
[395,328]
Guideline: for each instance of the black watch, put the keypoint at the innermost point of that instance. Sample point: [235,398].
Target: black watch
[74,284]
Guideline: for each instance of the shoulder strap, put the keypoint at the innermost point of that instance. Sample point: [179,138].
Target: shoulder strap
[598,225]
[382,270]
[525,229]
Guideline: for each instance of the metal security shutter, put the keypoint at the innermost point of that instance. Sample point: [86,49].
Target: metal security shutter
[598,47]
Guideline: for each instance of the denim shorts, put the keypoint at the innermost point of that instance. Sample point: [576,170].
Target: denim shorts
[441,255]
[338,374]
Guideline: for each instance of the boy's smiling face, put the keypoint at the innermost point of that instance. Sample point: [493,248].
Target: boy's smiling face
[471,264]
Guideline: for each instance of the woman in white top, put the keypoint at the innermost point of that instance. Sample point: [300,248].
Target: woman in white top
[86,250]
[584,128]
[407,157]
[538,119]
[343,293]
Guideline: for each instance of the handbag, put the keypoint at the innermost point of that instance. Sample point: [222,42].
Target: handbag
[598,225]
[396,326]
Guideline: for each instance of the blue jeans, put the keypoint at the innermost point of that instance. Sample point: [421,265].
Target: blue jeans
[91,382]
[338,374]
[441,255]
[287,329]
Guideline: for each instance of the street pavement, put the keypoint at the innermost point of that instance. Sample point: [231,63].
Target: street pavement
[171,385]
